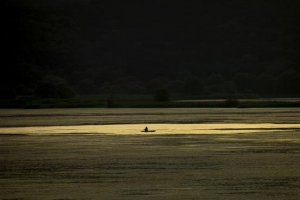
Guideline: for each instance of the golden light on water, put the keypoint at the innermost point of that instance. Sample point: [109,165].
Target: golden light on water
[160,129]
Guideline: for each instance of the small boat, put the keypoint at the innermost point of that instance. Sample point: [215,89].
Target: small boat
[149,131]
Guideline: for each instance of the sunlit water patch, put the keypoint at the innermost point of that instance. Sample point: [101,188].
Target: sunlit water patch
[159,129]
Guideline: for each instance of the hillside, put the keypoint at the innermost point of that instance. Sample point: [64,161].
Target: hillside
[190,48]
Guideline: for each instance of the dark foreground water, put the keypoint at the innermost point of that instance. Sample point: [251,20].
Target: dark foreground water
[168,166]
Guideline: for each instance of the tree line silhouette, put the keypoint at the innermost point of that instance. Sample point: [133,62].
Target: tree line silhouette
[58,49]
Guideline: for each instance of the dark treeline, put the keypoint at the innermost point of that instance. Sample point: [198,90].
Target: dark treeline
[60,48]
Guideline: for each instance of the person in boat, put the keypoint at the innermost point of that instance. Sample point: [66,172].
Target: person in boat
[146,129]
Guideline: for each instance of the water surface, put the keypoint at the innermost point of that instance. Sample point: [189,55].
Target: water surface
[160,129]
[76,154]
[100,116]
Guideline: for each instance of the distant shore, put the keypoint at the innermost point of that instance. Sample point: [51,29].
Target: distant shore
[145,101]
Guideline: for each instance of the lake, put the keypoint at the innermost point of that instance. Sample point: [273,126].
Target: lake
[194,154]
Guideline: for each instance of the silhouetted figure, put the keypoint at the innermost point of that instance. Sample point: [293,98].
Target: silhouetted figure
[146,129]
